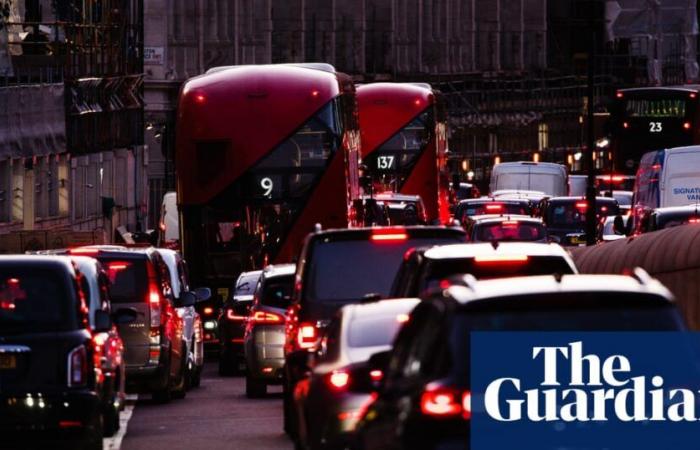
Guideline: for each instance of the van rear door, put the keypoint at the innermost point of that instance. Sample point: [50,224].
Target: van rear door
[681,178]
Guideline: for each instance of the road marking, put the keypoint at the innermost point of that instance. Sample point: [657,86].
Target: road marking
[115,442]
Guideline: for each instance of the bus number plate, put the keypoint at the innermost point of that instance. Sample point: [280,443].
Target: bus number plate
[385,162]
[655,127]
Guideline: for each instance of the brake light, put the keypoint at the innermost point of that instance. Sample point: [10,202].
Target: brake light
[402,318]
[389,235]
[117,266]
[493,208]
[581,205]
[84,251]
[510,222]
[625,125]
[339,379]
[617,178]
[686,125]
[208,310]
[376,375]
[77,367]
[446,403]
[307,335]
[154,298]
[695,220]
[619,94]
[263,317]
[501,258]
[231,315]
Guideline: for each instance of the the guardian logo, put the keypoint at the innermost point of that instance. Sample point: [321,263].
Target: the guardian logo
[595,389]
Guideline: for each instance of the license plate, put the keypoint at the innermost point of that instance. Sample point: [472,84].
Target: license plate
[8,362]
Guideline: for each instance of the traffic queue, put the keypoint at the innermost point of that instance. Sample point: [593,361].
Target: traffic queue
[365,324]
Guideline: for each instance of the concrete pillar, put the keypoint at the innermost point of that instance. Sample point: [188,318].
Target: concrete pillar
[28,199]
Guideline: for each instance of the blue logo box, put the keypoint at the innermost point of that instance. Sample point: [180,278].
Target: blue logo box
[585,391]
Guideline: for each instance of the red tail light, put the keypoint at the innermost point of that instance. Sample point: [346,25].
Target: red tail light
[263,317]
[501,259]
[444,402]
[376,375]
[625,125]
[208,310]
[307,335]
[497,207]
[686,125]
[581,205]
[84,251]
[155,304]
[339,380]
[232,316]
[695,220]
[77,367]
[389,235]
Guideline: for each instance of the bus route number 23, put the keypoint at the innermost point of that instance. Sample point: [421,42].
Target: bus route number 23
[655,127]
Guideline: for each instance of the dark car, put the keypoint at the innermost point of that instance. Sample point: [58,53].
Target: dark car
[672,216]
[483,206]
[339,267]
[264,333]
[61,377]
[424,268]
[506,228]
[331,400]
[156,349]
[233,321]
[403,209]
[424,402]
[565,217]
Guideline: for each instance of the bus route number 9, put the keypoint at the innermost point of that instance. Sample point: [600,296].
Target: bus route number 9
[267,186]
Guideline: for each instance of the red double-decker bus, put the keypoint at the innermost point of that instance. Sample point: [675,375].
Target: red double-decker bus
[263,154]
[404,142]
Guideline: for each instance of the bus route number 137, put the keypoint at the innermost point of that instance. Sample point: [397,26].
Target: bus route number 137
[385,162]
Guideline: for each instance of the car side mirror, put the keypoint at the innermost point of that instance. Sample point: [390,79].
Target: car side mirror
[202,294]
[124,315]
[186,299]
[103,321]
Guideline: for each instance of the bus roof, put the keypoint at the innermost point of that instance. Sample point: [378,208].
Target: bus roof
[385,108]
[683,88]
[254,108]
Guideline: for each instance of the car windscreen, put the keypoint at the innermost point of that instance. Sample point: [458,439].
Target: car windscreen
[35,301]
[128,279]
[345,271]
[277,291]
[509,230]
[403,214]
[373,331]
[578,311]
[440,269]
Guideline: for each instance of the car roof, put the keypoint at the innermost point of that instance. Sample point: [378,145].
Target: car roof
[279,270]
[42,261]
[397,197]
[483,200]
[456,251]
[679,209]
[366,232]
[578,199]
[85,264]
[549,284]
[394,306]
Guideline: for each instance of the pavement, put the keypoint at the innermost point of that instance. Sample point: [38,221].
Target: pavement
[217,415]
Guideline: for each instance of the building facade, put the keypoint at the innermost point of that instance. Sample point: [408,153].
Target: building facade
[72,159]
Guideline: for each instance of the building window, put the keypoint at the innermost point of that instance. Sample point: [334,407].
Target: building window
[5,189]
[542,136]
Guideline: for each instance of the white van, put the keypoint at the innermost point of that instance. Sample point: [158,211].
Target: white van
[667,178]
[578,185]
[545,177]
[169,224]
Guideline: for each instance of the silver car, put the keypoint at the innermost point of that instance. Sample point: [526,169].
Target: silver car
[265,333]
[191,321]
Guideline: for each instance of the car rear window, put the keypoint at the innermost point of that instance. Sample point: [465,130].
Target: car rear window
[128,279]
[35,300]
[345,271]
[574,213]
[583,311]
[510,230]
[373,331]
[277,292]
[437,270]
[480,209]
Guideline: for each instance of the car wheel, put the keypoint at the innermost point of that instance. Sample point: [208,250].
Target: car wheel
[180,390]
[190,372]
[288,420]
[255,388]
[111,421]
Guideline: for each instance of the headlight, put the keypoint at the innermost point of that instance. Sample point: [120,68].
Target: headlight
[209,325]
